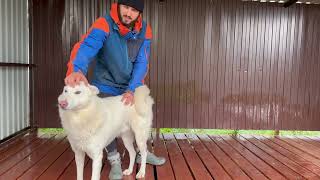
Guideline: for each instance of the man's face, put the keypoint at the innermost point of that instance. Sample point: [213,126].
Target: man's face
[128,14]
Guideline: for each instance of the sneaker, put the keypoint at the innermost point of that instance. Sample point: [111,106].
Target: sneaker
[151,159]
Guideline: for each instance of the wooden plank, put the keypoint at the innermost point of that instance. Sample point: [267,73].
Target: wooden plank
[295,157]
[196,165]
[314,138]
[243,163]
[255,160]
[47,166]
[71,171]
[285,160]
[287,172]
[233,170]
[308,148]
[18,145]
[215,169]
[32,158]
[6,164]
[309,140]
[179,165]
[296,150]
[59,166]
[14,141]
[166,170]
[36,170]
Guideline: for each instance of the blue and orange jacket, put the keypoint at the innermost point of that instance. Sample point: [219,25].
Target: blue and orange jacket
[122,55]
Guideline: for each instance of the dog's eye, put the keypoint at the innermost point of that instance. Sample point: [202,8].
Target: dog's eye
[77,92]
[65,91]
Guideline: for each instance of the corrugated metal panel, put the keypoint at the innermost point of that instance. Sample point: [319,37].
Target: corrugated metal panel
[232,64]
[14,31]
[214,63]
[283,1]
[14,81]
[14,95]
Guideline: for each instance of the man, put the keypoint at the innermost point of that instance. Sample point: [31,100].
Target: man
[120,44]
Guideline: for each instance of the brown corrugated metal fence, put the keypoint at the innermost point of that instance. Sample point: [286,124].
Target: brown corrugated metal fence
[214,64]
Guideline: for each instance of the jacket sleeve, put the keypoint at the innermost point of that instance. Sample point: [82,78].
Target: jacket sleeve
[89,45]
[141,64]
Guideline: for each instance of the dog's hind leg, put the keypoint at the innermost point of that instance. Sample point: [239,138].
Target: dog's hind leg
[79,157]
[141,140]
[96,164]
[127,139]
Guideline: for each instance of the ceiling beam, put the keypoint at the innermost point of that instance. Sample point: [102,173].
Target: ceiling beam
[289,3]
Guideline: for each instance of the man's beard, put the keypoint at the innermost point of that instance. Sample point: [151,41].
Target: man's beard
[130,25]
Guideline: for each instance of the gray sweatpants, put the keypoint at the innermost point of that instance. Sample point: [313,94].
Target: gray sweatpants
[112,147]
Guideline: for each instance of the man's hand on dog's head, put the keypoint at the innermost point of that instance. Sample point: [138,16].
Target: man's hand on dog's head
[128,98]
[75,78]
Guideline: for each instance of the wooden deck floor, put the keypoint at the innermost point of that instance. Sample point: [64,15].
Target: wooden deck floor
[190,156]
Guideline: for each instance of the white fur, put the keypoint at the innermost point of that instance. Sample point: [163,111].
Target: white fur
[92,123]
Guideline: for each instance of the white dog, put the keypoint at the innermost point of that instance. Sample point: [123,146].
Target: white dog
[91,123]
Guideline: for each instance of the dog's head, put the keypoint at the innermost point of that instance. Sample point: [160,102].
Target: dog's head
[78,97]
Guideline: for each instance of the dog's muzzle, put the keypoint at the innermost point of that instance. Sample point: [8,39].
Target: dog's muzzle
[63,104]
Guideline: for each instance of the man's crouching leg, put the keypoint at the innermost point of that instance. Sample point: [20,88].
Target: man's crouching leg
[114,160]
[151,159]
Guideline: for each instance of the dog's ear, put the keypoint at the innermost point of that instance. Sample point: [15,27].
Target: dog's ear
[94,89]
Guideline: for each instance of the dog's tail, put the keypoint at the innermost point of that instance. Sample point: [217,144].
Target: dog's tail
[143,100]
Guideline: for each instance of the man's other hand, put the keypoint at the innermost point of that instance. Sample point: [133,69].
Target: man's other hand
[128,98]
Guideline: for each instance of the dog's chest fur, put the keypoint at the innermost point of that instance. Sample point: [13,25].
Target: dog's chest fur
[80,128]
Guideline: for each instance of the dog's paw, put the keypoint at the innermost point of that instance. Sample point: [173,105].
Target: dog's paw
[140,174]
[127,172]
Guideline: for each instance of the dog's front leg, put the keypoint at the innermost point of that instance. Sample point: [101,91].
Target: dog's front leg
[96,165]
[79,157]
